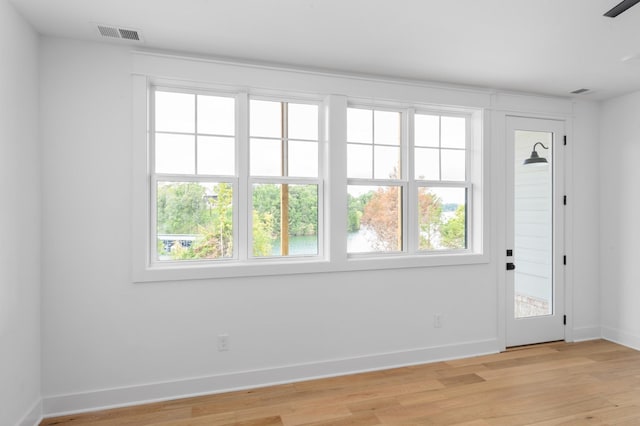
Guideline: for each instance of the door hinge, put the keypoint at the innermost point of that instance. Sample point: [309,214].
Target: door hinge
[565,139]
[564,200]
[564,259]
[564,320]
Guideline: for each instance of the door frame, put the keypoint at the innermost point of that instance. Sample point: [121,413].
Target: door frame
[498,180]
[544,328]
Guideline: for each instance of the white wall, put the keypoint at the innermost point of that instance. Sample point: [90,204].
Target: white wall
[108,341]
[582,226]
[101,331]
[619,223]
[20,219]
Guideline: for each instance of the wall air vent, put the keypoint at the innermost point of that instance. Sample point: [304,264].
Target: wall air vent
[115,32]
[579,91]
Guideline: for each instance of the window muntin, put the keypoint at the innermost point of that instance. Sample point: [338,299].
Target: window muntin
[194,134]
[284,178]
[193,176]
[283,138]
[200,149]
[442,178]
[374,140]
[380,204]
[375,190]
[440,147]
[197,214]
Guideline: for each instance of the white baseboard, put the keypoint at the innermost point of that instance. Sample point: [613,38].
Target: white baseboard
[581,334]
[33,416]
[622,337]
[125,396]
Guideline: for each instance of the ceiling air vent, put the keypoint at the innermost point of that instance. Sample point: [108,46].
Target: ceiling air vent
[111,31]
[129,34]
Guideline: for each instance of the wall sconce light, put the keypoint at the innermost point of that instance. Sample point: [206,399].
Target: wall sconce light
[535,158]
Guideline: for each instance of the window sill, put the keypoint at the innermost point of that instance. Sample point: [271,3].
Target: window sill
[175,272]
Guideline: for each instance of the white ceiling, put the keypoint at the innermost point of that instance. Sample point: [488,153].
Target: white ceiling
[542,46]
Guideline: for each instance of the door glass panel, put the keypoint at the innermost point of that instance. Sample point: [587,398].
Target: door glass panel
[533,221]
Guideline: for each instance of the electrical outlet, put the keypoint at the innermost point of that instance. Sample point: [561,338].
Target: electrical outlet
[223,342]
[437,320]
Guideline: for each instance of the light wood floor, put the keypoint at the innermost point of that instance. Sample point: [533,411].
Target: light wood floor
[590,383]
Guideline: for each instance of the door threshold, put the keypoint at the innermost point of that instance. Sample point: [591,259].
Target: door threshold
[531,345]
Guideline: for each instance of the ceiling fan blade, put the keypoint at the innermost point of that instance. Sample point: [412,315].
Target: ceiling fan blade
[620,7]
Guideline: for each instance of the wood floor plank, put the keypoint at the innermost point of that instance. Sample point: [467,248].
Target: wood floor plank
[527,369]
[221,419]
[357,419]
[608,416]
[587,383]
[503,356]
[315,414]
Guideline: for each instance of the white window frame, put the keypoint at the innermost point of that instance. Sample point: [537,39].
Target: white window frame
[195,177]
[332,189]
[402,182]
[241,182]
[467,184]
[410,185]
[279,180]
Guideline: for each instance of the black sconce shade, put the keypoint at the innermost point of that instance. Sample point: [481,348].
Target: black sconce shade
[535,158]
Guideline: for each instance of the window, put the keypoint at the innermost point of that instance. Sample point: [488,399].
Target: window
[284,178]
[383,193]
[375,185]
[442,180]
[197,188]
[194,178]
[246,182]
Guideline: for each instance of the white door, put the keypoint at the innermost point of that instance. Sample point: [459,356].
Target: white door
[535,231]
